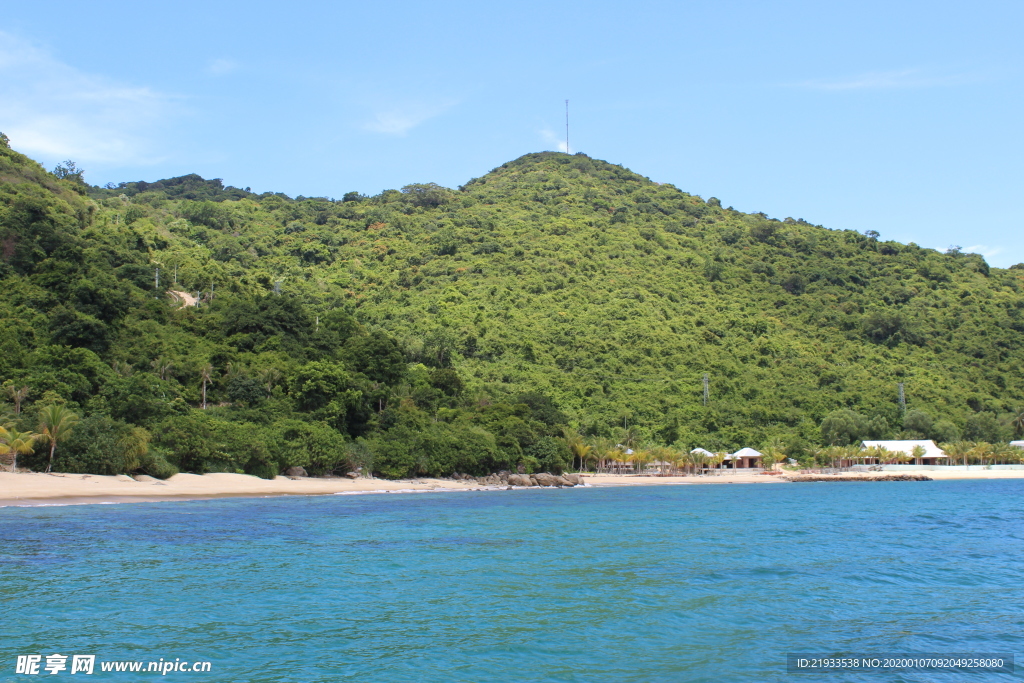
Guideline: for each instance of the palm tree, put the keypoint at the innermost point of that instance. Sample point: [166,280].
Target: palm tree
[902,457]
[1003,453]
[577,446]
[981,451]
[271,376]
[162,366]
[13,443]
[1017,421]
[134,445]
[771,453]
[642,456]
[205,373]
[918,453]
[55,423]
[17,396]
[717,458]
[957,450]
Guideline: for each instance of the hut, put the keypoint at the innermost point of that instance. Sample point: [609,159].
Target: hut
[745,458]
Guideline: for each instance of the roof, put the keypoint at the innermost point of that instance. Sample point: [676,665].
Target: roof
[701,451]
[746,453]
[1018,444]
[931,450]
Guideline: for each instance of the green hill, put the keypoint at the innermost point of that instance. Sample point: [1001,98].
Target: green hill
[432,329]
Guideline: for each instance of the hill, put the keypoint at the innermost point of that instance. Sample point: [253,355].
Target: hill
[429,329]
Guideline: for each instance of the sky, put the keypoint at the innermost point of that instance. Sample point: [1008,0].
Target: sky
[904,118]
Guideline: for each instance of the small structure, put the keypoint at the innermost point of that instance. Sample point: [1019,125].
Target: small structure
[745,458]
[933,455]
[1017,444]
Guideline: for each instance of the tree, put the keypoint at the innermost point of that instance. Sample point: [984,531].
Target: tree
[577,446]
[957,450]
[17,395]
[69,170]
[842,427]
[205,373]
[982,451]
[984,427]
[1017,422]
[162,366]
[55,424]
[918,452]
[14,443]
[918,422]
[771,453]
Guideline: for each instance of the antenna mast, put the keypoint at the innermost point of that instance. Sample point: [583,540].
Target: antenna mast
[567,126]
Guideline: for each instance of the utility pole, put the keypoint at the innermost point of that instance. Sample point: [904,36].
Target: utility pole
[156,278]
[903,400]
[706,392]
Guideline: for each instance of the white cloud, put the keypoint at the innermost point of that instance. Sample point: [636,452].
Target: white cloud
[51,109]
[551,138]
[986,251]
[222,67]
[400,119]
[889,80]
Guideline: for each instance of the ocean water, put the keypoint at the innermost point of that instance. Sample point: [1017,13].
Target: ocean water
[672,583]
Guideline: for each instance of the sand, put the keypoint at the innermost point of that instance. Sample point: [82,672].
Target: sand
[33,488]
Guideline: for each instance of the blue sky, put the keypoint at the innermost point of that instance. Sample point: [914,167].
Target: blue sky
[903,118]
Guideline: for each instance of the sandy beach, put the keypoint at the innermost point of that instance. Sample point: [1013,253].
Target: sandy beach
[34,488]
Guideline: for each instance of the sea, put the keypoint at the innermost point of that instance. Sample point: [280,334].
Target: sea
[724,582]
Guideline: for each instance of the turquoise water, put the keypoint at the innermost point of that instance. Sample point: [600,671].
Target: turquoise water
[675,583]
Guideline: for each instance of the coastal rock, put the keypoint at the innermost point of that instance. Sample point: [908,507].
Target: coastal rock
[573,479]
[518,480]
[564,481]
[545,479]
[296,472]
[887,477]
[352,475]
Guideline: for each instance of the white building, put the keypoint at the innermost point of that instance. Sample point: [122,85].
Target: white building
[933,455]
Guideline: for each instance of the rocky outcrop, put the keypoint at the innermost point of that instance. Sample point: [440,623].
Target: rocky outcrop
[886,477]
[507,479]
[295,472]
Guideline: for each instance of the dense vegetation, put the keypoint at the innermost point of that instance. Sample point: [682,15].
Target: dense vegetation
[431,330]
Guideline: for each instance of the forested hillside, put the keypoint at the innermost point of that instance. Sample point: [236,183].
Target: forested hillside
[429,330]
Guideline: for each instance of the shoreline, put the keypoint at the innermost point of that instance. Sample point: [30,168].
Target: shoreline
[32,489]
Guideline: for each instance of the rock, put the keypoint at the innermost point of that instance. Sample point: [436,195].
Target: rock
[352,475]
[515,480]
[545,479]
[521,469]
[564,481]
[573,479]
[509,488]
[295,472]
